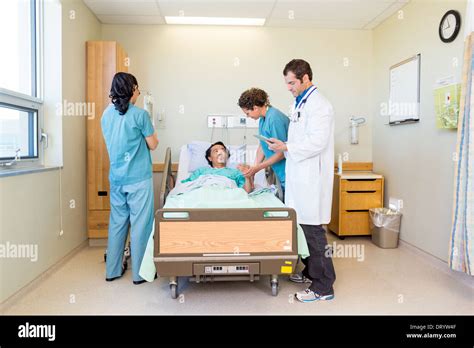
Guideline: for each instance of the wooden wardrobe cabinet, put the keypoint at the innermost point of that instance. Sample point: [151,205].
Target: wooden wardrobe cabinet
[104,59]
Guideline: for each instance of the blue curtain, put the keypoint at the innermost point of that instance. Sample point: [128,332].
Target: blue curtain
[461,257]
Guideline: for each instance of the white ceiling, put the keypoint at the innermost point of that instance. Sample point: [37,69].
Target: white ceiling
[325,14]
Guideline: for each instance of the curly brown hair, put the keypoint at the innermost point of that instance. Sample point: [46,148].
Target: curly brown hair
[253,97]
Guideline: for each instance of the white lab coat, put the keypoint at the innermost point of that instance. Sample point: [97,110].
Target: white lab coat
[310,161]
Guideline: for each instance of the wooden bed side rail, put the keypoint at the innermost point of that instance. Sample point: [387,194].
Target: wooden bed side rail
[225,231]
[167,181]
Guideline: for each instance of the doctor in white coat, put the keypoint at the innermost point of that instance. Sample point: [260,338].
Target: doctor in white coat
[309,154]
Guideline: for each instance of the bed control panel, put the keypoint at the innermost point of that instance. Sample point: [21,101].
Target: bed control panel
[226,269]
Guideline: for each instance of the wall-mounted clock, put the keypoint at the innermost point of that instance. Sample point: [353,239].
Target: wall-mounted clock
[449,26]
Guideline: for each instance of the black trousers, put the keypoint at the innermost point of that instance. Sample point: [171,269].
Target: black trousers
[318,265]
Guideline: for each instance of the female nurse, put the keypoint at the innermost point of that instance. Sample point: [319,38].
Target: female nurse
[129,137]
[273,123]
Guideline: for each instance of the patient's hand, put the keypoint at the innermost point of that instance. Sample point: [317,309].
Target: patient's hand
[243,168]
[251,171]
[248,171]
[249,185]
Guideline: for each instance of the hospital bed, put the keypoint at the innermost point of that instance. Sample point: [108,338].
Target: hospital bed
[216,244]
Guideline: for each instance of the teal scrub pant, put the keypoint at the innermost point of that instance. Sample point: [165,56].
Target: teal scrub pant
[129,204]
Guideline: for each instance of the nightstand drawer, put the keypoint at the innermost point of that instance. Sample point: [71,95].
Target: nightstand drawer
[354,223]
[360,200]
[361,185]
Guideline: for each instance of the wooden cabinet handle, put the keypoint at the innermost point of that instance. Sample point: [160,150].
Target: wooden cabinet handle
[372,191]
[360,179]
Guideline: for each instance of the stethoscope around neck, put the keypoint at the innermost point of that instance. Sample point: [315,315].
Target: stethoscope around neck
[296,114]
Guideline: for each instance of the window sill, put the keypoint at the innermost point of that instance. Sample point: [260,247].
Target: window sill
[13,171]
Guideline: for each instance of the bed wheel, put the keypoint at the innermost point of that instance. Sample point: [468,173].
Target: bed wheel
[174,287]
[174,291]
[274,289]
[274,284]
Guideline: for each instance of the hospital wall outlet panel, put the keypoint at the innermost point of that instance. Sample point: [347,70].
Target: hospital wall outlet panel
[216,121]
[230,121]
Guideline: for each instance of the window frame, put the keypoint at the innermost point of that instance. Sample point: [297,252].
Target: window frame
[34,102]
[32,143]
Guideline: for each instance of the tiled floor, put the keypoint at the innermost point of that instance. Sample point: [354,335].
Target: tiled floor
[387,281]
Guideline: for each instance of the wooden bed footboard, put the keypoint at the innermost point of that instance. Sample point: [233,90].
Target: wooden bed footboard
[221,232]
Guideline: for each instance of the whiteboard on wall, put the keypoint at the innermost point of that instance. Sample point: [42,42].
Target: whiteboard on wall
[404,100]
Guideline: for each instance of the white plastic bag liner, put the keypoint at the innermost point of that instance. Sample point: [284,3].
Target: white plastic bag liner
[386,218]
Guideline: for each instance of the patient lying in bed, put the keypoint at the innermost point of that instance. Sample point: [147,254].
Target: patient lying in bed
[217,155]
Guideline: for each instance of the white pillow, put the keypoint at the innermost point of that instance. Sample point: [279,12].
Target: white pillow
[237,155]
[197,152]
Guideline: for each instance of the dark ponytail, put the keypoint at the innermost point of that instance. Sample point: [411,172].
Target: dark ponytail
[122,91]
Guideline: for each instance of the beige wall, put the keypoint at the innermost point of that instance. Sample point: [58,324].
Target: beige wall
[52,82]
[417,159]
[30,205]
[76,32]
[194,67]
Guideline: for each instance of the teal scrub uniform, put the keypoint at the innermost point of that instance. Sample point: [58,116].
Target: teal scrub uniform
[274,125]
[131,186]
[231,173]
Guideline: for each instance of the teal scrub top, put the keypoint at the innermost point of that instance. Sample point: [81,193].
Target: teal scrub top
[130,158]
[231,173]
[274,125]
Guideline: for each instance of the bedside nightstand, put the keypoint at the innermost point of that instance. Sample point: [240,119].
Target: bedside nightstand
[354,193]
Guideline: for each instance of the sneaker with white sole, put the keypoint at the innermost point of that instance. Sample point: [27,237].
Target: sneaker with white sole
[310,296]
[299,278]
